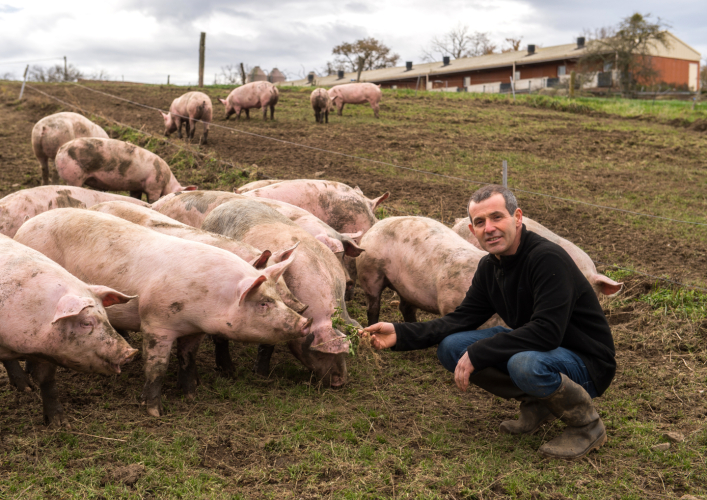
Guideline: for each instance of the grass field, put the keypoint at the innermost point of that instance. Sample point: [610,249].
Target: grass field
[399,428]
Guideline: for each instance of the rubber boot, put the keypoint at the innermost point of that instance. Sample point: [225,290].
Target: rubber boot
[533,413]
[585,431]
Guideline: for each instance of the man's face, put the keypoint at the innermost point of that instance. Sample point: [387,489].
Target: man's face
[498,231]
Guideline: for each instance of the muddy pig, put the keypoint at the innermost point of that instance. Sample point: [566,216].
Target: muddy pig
[315,278]
[356,93]
[186,289]
[321,102]
[255,185]
[53,131]
[112,165]
[252,95]
[49,317]
[344,208]
[602,285]
[17,207]
[187,109]
[426,263]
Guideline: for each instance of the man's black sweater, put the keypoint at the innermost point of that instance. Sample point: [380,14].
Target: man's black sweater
[542,296]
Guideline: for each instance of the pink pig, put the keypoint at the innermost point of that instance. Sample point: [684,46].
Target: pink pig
[112,165]
[255,185]
[186,289]
[187,109]
[48,317]
[321,102]
[53,131]
[356,93]
[252,95]
[17,207]
[602,285]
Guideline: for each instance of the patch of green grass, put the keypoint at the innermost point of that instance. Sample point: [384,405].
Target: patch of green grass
[683,301]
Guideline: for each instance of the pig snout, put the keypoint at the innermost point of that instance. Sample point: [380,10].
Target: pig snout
[348,294]
[124,356]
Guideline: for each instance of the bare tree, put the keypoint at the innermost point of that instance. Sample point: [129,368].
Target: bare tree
[54,74]
[331,67]
[100,75]
[513,44]
[364,55]
[230,74]
[458,42]
[627,48]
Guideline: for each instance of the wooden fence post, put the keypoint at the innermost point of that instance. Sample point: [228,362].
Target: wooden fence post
[202,49]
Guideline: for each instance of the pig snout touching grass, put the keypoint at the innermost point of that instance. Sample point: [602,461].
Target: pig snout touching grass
[344,208]
[426,263]
[186,110]
[53,131]
[602,285]
[112,165]
[321,102]
[186,289]
[315,278]
[17,207]
[255,185]
[49,317]
[356,93]
[252,95]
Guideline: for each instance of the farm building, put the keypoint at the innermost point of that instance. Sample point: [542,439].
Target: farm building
[533,68]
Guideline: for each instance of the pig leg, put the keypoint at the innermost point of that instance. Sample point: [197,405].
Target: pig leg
[179,130]
[223,356]
[136,194]
[247,113]
[262,363]
[192,123]
[18,377]
[44,163]
[188,377]
[326,116]
[316,116]
[206,134]
[408,310]
[272,111]
[375,108]
[340,109]
[43,374]
[156,347]
[265,112]
[188,127]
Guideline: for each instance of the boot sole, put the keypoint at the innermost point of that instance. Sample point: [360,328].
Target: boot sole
[598,443]
[546,420]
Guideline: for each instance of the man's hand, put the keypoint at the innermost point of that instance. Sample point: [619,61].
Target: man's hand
[382,335]
[463,372]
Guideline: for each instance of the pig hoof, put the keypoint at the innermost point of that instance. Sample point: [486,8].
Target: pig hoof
[154,411]
[27,389]
[190,397]
[57,422]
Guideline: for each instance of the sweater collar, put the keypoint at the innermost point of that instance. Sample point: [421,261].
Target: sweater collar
[507,261]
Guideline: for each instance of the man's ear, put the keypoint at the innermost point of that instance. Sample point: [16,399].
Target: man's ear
[519,217]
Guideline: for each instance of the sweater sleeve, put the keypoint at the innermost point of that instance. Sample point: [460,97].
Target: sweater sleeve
[473,312]
[554,298]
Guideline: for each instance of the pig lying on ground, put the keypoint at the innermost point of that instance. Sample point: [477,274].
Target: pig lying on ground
[321,102]
[17,207]
[112,165]
[602,285]
[356,93]
[187,109]
[48,317]
[344,208]
[252,95]
[187,289]
[425,262]
[255,185]
[315,278]
[53,131]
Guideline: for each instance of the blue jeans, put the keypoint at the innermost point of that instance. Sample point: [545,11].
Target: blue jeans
[535,373]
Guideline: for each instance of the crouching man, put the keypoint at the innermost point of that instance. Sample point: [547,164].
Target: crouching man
[559,352]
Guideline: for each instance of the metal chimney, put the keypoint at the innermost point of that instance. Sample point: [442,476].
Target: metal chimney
[408,66]
[531,49]
[340,74]
[580,42]
[445,60]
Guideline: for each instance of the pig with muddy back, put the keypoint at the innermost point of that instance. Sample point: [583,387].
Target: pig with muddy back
[112,165]
[186,110]
[186,289]
[356,93]
[321,102]
[49,317]
[252,95]
[53,131]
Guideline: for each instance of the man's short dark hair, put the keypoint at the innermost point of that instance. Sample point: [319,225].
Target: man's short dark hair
[487,192]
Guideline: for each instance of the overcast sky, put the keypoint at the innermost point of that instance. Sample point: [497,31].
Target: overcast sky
[146,40]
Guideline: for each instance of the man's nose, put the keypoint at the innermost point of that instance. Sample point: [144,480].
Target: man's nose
[489,227]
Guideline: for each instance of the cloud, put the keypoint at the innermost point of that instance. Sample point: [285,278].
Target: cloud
[8,9]
[358,7]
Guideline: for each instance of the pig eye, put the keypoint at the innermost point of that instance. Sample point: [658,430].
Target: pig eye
[86,324]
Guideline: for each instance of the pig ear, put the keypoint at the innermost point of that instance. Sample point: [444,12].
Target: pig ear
[358,190]
[351,249]
[110,297]
[248,285]
[332,244]
[261,260]
[354,236]
[284,254]
[71,305]
[275,271]
[606,285]
[377,201]
[223,101]
[190,188]
[165,115]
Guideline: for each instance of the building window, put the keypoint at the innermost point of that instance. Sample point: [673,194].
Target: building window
[467,81]
[608,66]
[561,70]
[517,75]
[394,87]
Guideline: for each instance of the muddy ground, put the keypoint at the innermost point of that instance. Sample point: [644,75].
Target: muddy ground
[399,429]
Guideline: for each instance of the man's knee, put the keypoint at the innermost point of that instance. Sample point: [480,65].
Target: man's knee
[526,365]
[448,353]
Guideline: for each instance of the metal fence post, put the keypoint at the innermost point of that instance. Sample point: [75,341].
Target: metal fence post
[24,80]
[513,88]
[505,173]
